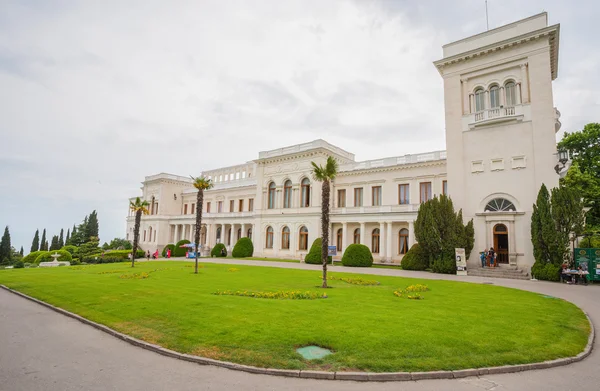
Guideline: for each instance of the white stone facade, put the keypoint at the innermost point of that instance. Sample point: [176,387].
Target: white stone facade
[501,146]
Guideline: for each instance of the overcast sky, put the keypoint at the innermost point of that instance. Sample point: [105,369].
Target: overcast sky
[95,95]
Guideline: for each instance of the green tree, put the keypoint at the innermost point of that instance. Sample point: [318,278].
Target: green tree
[469,238]
[5,247]
[119,244]
[54,243]
[92,227]
[427,234]
[68,237]
[35,244]
[61,241]
[21,252]
[44,242]
[568,214]
[547,245]
[200,183]
[138,207]
[325,174]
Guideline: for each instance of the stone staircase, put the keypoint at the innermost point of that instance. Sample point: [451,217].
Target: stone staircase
[502,271]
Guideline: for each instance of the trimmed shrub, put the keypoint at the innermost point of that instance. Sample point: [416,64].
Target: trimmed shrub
[168,246]
[414,259]
[545,271]
[31,257]
[357,255]
[19,265]
[123,254]
[178,251]
[65,256]
[216,251]
[71,249]
[97,259]
[314,255]
[444,265]
[30,265]
[243,248]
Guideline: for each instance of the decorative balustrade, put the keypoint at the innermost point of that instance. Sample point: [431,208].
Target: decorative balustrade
[498,112]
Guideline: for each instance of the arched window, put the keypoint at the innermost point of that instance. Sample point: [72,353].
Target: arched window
[357,236]
[403,241]
[271,195]
[269,243]
[229,237]
[303,239]
[375,241]
[250,233]
[287,194]
[285,238]
[510,91]
[339,242]
[305,201]
[500,205]
[479,99]
[219,235]
[494,97]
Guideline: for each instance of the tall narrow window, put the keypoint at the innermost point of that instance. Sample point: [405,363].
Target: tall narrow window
[445,188]
[305,193]
[511,94]
[220,207]
[232,206]
[376,195]
[144,236]
[269,243]
[285,238]
[229,237]
[426,194]
[219,231]
[403,194]
[240,205]
[271,203]
[193,208]
[358,196]
[403,241]
[208,207]
[250,233]
[341,198]
[239,234]
[250,204]
[494,97]
[375,241]
[340,233]
[479,99]
[303,238]
[185,209]
[287,194]
[357,236]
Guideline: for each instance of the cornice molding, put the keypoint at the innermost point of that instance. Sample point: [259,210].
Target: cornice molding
[398,167]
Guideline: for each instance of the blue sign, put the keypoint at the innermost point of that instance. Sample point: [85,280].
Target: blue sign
[331,250]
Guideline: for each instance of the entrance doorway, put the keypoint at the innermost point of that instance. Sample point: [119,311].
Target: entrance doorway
[501,243]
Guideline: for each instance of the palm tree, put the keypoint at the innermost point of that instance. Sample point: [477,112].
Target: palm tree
[326,175]
[139,207]
[201,183]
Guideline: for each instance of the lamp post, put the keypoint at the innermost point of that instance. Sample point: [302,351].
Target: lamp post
[563,162]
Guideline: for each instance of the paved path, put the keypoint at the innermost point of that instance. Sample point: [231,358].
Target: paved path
[43,350]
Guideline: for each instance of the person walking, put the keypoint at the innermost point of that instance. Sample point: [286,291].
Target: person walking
[483,257]
[168,253]
[148,254]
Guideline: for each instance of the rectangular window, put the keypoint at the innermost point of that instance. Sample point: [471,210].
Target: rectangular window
[403,194]
[208,207]
[250,204]
[376,195]
[497,165]
[342,198]
[193,208]
[426,193]
[241,205]
[232,206]
[220,207]
[445,188]
[358,196]
[185,209]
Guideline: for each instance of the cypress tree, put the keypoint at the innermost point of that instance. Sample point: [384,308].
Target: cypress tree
[54,243]
[61,242]
[546,247]
[35,245]
[5,248]
[92,227]
[68,237]
[21,252]
[44,242]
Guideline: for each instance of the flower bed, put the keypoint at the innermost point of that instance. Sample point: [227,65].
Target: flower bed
[279,295]
[355,281]
[412,292]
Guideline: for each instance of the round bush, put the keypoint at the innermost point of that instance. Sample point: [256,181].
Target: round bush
[178,251]
[216,251]
[414,259]
[357,255]
[314,255]
[168,246]
[545,271]
[19,265]
[31,257]
[243,248]
[71,249]
[65,256]
[445,265]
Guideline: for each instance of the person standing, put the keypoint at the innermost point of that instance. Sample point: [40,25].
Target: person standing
[148,254]
[483,257]
[168,253]
[492,257]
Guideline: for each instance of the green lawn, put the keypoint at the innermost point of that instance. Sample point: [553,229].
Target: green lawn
[457,325]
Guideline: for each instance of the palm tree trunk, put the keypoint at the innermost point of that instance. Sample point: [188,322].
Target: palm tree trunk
[136,235]
[199,202]
[325,228]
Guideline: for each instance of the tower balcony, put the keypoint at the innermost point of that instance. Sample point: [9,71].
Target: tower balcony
[495,116]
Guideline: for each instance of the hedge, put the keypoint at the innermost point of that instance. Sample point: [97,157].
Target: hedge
[545,271]
[178,251]
[168,246]
[65,256]
[216,251]
[71,249]
[243,248]
[444,265]
[357,255]
[124,254]
[414,259]
[102,259]
[19,265]
[31,257]
[314,255]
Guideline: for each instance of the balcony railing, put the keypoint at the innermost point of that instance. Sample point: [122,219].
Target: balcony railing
[498,112]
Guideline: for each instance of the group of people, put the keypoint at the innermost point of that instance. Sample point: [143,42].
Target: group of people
[155,255]
[488,258]
[578,276]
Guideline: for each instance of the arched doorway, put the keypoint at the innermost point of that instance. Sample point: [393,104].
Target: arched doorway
[501,243]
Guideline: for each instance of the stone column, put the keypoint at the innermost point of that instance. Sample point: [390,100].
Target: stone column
[502,97]
[382,241]
[176,237]
[363,234]
[244,234]
[388,242]
[524,85]
[344,237]
[411,234]
[519,99]
[231,242]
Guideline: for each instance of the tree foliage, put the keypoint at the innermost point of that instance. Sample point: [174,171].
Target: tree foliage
[54,243]
[138,207]
[61,239]
[201,183]
[5,248]
[243,248]
[44,242]
[35,244]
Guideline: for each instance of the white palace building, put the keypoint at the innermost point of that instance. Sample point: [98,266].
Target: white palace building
[501,127]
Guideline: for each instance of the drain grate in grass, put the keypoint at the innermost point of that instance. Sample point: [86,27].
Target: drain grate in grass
[313,352]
